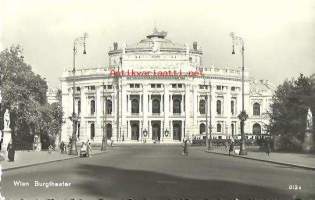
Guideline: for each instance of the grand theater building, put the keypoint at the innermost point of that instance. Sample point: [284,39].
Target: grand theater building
[159,91]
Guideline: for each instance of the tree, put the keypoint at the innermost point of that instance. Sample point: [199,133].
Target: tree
[24,94]
[288,116]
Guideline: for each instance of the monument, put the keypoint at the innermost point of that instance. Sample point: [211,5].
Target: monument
[308,144]
[6,130]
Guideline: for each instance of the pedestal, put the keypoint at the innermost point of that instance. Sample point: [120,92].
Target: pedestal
[6,139]
[308,144]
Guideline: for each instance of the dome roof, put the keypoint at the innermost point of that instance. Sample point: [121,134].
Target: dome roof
[157,38]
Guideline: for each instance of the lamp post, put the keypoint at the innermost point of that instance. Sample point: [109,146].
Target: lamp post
[78,41]
[238,41]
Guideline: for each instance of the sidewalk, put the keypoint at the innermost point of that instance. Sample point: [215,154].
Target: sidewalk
[29,158]
[306,161]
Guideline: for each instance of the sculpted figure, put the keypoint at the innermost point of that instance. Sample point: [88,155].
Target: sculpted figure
[6,118]
[309,120]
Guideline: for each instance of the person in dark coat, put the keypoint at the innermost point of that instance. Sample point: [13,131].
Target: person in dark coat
[185,147]
[11,151]
[231,147]
[268,148]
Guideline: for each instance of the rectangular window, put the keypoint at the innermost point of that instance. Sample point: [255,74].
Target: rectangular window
[158,85]
[180,85]
[173,85]
[109,87]
[219,87]
[93,87]
[137,85]
[152,85]
[132,85]
[233,88]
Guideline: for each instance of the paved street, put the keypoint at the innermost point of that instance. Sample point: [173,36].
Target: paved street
[160,172]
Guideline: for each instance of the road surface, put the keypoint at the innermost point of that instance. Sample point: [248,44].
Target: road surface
[159,172]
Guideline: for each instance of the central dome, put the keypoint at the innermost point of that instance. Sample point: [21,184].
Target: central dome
[156,37]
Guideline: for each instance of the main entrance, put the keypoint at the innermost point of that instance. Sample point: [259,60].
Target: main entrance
[134,130]
[156,130]
[177,130]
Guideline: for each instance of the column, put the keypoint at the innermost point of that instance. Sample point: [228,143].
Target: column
[123,112]
[228,114]
[145,108]
[98,120]
[187,112]
[83,114]
[166,112]
[213,109]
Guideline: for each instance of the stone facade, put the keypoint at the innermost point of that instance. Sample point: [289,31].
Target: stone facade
[153,108]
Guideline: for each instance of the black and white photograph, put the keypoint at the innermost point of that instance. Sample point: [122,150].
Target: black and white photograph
[157,100]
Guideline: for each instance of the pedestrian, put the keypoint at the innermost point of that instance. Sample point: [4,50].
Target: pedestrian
[268,148]
[62,146]
[231,147]
[11,151]
[185,147]
[88,149]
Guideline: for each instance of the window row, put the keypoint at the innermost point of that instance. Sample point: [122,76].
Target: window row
[156,106]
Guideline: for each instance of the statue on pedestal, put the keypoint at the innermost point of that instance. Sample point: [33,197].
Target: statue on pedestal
[308,144]
[6,120]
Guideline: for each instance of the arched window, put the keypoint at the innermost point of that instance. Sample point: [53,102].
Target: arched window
[176,106]
[232,107]
[202,128]
[135,106]
[219,107]
[109,131]
[79,107]
[156,106]
[256,129]
[92,127]
[233,129]
[202,106]
[256,109]
[92,107]
[108,107]
[219,128]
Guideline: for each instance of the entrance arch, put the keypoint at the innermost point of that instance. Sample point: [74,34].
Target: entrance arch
[134,130]
[109,130]
[156,130]
[177,130]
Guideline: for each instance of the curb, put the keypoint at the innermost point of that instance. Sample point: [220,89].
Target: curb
[261,160]
[46,162]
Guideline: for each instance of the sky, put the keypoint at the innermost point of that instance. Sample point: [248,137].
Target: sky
[279,35]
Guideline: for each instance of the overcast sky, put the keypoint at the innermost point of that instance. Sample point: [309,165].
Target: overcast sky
[279,35]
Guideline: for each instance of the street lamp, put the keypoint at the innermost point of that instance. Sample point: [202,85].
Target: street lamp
[78,41]
[238,41]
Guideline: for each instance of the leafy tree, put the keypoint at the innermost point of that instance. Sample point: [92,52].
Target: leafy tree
[289,108]
[24,94]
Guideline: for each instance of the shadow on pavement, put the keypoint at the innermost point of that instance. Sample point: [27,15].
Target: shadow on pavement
[117,183]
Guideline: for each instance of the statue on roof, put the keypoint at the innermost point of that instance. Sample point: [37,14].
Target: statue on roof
[158,34]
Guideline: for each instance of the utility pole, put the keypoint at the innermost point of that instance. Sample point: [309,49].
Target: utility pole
[238,41]
[74,117]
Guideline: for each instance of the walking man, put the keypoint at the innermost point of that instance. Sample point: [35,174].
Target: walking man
[231,147]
